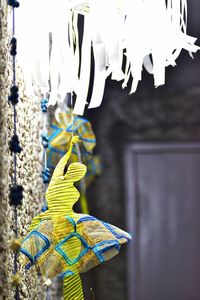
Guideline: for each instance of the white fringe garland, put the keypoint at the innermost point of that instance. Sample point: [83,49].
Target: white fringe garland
[149,34]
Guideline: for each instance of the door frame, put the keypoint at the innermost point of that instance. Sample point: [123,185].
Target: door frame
[131,196]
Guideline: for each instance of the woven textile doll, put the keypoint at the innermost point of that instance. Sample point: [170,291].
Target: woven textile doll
[64,243]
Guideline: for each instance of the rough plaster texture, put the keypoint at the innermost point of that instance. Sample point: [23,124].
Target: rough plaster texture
[28,176]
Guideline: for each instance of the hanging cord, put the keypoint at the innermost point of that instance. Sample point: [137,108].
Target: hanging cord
[71,112]
[45,143]
[84,205]
[46,174]
[48,293]
[16,191]
[82,181]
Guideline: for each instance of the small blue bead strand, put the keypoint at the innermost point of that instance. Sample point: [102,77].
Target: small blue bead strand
[46,173]
[16,191]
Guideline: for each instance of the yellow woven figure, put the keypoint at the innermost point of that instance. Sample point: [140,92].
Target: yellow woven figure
[61,129]
[64,243]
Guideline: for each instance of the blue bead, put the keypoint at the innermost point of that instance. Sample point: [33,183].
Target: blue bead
[14,144]
[45,140]
[44,105]
[16,195]
[13,3]
[46,175]
[44,208]
[45,144]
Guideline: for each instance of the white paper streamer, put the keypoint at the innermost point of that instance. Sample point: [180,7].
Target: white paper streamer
[83,83]
[32,27]
[149,33]
[99,75]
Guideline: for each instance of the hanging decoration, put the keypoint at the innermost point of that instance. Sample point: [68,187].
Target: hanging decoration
[61,130]
[138,33]
[63,243]
[46,174]
[134,34]
[16,190]
[49,70]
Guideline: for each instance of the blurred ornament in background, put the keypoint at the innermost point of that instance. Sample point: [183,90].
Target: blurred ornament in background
[61,130]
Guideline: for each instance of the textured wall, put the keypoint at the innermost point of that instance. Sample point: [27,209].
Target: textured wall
[29,168]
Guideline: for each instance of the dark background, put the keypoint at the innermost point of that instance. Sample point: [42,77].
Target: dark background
[168,113]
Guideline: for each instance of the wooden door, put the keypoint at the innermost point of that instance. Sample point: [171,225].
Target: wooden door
[163,213]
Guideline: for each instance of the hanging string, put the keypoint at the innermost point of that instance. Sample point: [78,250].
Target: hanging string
[84,205]
[71,111]
[48,293]
[45,142]
[16,191]
[46,174]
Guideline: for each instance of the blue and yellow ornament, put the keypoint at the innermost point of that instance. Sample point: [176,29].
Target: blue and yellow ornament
[61,130]
[64,243]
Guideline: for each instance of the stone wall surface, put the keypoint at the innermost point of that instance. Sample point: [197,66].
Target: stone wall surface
[28,171]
